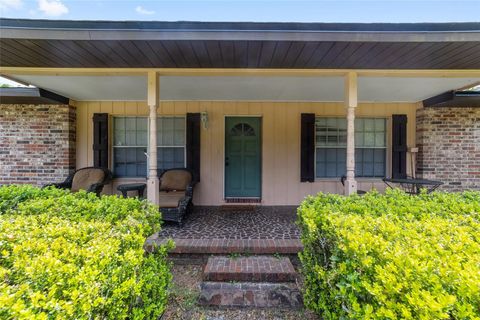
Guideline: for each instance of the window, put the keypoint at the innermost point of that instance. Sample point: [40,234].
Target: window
[130,142]
[130,145]
[242,129]
[331,144]
[370,147]
[171,143]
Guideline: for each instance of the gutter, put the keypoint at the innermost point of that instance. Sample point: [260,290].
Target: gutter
[240,31]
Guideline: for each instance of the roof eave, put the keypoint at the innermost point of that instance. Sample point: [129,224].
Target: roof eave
[246,31]
[454,99]
[30,96]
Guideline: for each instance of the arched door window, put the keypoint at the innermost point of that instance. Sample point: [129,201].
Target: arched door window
[242,129]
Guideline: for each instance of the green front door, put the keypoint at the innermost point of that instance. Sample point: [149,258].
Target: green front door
[243,157]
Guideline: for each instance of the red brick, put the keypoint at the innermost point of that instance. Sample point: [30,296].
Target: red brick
[252,269]
[221,246]
[39,141]
[450,160]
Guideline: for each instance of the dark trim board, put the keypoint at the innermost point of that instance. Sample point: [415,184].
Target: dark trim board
[454,99]
[247,26]
[441,98]
[30,96]
[53,96]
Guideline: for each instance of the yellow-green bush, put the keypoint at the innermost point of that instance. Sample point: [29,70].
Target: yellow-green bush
[76,256]
[392,256]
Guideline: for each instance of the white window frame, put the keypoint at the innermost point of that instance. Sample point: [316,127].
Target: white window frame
[126,146]
[385,147]
[184,140]
[147,147]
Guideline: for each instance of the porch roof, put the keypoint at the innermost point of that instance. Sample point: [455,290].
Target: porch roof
[454,99]
[30,96]
[135,44]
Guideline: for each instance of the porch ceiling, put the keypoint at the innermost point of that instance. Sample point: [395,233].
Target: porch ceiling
[247,88]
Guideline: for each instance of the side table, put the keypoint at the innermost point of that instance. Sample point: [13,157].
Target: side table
[139,187]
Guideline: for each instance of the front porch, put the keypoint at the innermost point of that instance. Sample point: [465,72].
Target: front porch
[320,102]
[233,230]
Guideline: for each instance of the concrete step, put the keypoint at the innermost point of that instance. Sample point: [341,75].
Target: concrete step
[250,295]
[250,269]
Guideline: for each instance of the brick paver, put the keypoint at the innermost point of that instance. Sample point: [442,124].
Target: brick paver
[227,246]
[253,269]
[250,295]
[236,223]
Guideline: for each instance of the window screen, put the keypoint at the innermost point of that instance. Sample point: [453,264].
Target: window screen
[331,147]
[171,143]
[130,144]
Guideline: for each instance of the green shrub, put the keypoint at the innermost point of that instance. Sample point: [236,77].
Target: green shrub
[77,256]
[392,256]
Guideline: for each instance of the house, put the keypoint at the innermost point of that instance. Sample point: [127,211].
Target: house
[261,112]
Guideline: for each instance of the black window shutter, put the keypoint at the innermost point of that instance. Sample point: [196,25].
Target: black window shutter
[193,144]
[307,148]
[399,146]
[100,140]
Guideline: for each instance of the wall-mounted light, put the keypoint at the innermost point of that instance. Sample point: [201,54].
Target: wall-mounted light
[204,119]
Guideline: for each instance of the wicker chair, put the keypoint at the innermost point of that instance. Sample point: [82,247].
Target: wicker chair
[176,192]
[91,179]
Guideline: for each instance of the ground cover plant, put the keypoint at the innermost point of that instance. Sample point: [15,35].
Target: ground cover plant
[78,256]
[392,256]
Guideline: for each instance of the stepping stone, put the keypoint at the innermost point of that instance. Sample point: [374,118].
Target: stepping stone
[249,269]
[250,295]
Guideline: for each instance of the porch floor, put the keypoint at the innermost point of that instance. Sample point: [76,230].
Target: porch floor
[220,230]
[236,223]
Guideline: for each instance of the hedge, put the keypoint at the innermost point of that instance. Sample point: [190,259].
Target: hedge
[77,256]
[392,256]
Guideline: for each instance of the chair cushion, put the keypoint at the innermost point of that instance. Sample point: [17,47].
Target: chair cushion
[84,178]
[170,199]
[175,180]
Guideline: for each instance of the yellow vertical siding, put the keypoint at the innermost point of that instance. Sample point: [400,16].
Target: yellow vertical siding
[280,142]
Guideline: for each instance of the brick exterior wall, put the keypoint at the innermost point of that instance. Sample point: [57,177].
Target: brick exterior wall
[449,146]
[37,143]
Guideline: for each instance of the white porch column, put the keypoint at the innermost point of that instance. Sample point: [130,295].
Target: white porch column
[153,184]
[351,101]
